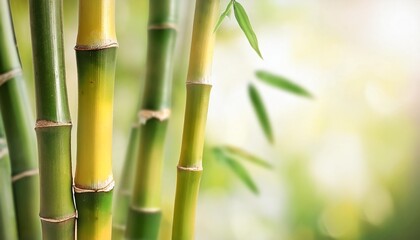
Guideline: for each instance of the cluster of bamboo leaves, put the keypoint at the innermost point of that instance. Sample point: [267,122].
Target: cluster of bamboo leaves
[232,156]
[137,212]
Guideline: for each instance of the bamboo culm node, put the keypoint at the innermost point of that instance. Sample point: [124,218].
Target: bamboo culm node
[162,115]
[27,173]
[108,187]
[10,75]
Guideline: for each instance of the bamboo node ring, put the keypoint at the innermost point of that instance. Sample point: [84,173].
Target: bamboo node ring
[9,75]
[58,220]
[46,124]
[110,44]
[109,187]
[191,169]
[145,209]
[162,115]
[3,152]
[162,26]
[189,82]
[24,174]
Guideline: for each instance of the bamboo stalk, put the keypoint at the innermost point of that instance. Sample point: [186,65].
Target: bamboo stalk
[145,213]
[96,55]
[53,126]
[8,227]
[124,189]
[198,93]
[17,119]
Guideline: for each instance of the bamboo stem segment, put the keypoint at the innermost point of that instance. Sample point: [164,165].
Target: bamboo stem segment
[144,212]
[189,168]
[96,55]
[8,227]
[17,119]
[124,189]
[53,126]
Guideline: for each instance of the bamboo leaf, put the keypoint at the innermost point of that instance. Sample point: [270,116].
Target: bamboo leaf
[243,174]
[244,23]
[246,156]
[262,115]
[218,153]
[282,83]
[238,169]
[226,13]
[229,12]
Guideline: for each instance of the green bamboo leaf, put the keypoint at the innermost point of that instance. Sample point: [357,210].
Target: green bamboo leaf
[235,151]
[246,27]
[243,174]
[238,169]
[282,83]
[218,153]
[229,12]
[262,115]
[224,14]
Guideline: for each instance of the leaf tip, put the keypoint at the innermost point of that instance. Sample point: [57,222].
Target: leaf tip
[259,54]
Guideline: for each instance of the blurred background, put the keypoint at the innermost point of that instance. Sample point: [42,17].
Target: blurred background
[344,163]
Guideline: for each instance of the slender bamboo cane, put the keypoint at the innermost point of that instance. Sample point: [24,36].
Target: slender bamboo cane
[17,120]
[198,93]
[144,213]
[8,227]
[53,126]
[96,55]
[124,189]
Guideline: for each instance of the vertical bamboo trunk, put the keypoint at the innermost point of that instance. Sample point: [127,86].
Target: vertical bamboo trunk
[17,119]
[8,227]
[125,187]
[145,213]
[198,93]
[53,125]
[96,54]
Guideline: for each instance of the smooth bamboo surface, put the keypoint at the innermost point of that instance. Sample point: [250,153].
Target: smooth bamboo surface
[96,49]
[145,213]
[125,187]
[18,123]
[8,227]
[189,168]
[53,126]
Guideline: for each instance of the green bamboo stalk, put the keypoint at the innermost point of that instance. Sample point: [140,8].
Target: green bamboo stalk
[145,213]
[17,119]
[124,189]
[53,126]
[198,93]
[96,56]
[8,227]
